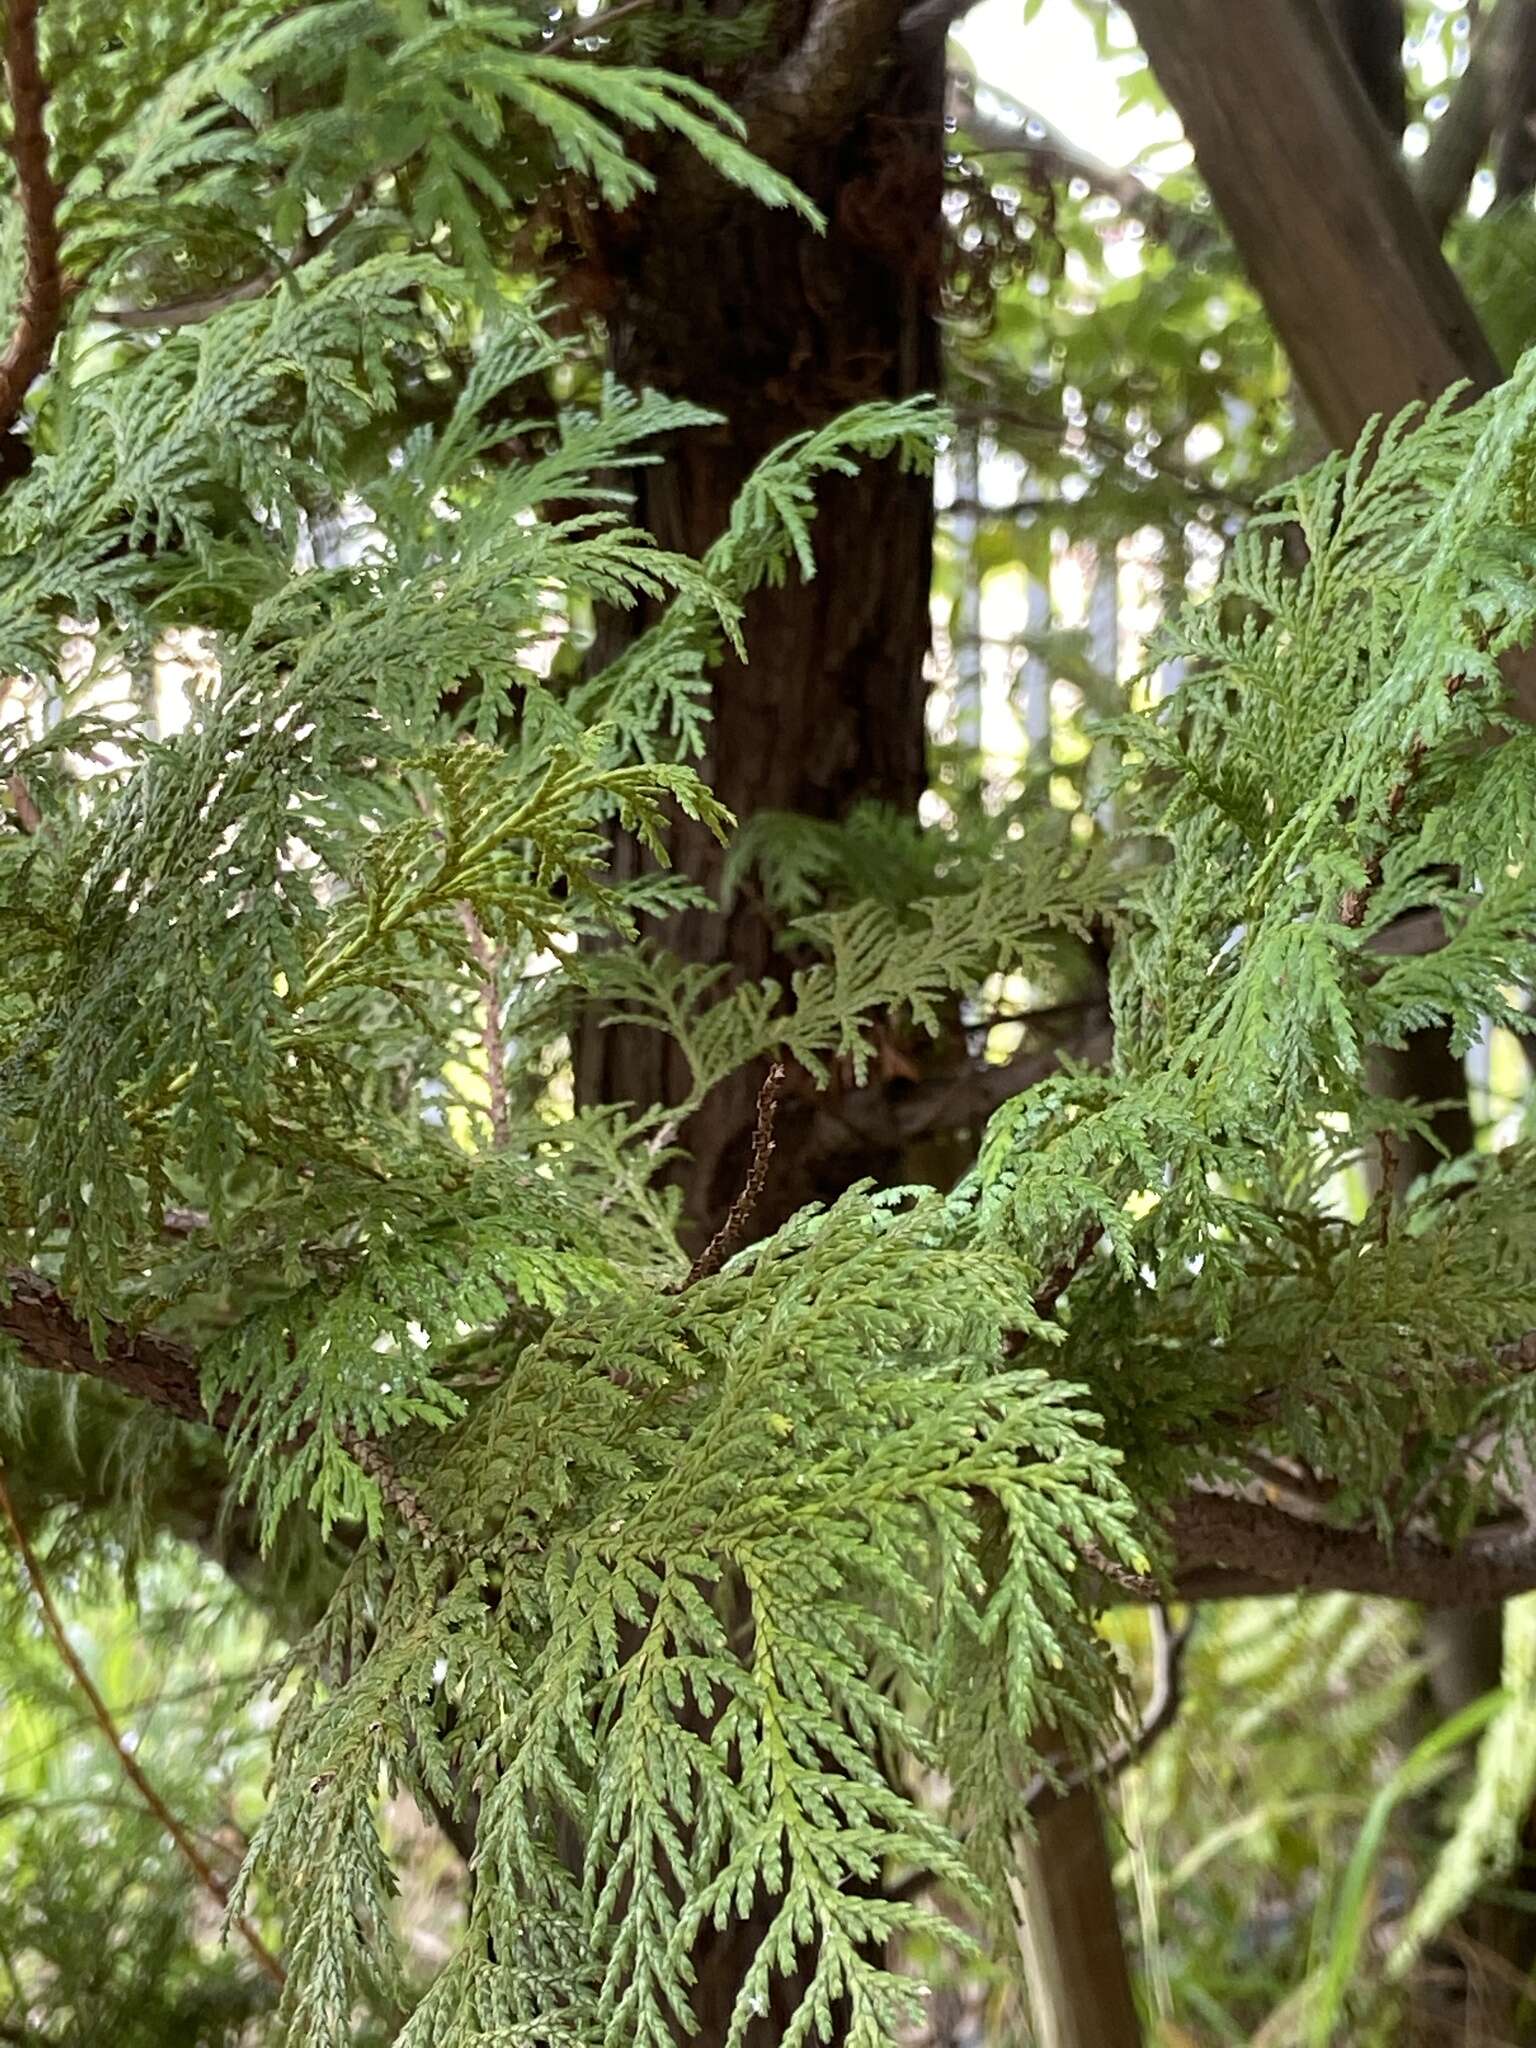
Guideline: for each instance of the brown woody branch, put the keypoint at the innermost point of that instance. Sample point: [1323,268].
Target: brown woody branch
[40,312]
[1067,1270]
[1459,140]
[1223,1547]
[191,312]
[149,1367]
[1256,1547]
[160,1371]
[29,819]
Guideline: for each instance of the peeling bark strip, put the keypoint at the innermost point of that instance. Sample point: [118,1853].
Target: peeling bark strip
[42,294]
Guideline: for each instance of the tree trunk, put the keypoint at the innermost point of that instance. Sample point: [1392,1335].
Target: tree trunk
[1069,1932]
[1372,34]
[779,330]
[1515,169]
[711,296]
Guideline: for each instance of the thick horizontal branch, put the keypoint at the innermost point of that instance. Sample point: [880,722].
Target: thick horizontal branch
[151,1368]
[829,77]
[1225,1547]
[1256,1547]
[162,1372]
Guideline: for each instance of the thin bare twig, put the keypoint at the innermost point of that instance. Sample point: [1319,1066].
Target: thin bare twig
[191,312]
[41,310]
[1103,441]
[1388,1164]
[1019,131]
[591,25]
[1162,1710]
[131,1768]
[732,1232]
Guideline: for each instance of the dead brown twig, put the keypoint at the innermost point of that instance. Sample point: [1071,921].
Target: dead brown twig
[731,1235]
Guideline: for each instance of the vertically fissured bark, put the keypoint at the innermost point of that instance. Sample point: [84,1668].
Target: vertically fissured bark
[779,329]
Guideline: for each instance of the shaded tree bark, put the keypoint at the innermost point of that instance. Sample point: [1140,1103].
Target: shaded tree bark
[1372,34]
[1515,157]
[1498,80]
[779,329]
[1069,1931]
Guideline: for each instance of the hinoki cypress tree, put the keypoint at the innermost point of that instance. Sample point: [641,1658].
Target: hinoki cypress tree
[288,990]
